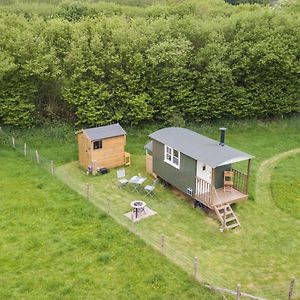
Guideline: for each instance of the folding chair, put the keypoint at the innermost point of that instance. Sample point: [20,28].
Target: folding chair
[150,189]
[122,181]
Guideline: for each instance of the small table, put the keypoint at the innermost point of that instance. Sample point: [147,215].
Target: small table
[138,206]
[137,181]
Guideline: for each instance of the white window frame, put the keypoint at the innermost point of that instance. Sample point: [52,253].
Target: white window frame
[169,156]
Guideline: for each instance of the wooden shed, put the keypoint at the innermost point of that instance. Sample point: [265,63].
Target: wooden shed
[149,159]
[102,147]
[196,165]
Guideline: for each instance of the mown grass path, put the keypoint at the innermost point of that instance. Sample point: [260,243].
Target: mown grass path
[264,176]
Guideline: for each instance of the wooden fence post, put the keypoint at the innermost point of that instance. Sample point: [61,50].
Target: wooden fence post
[238,292]
[292,283]
[52,167]
[25,149]
[196,267]
[37,156]
[162,243]
[108,206]
[87,191]
[13,142]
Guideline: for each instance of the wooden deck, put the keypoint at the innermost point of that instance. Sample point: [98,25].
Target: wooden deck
[229,197]
[211,197]
[221,198]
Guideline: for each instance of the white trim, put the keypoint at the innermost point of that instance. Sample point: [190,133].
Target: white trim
[204,174]
[233,160]
[168,161]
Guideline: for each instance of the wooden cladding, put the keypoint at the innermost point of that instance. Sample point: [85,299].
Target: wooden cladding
[239,181]
[149,164]
[204,190]
[110,153]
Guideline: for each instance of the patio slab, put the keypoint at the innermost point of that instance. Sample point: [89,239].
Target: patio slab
[148,212]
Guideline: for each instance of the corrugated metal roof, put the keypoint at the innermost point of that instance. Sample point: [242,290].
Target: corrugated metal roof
[198,147]
[149,146]
[103,132]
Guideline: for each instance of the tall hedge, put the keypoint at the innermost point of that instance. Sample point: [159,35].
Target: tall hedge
[102,69]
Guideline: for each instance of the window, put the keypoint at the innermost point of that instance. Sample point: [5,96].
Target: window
[172,156]
[97,145]
[169,154]
[175,157]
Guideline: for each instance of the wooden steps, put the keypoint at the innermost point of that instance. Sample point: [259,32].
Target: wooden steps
[226,216]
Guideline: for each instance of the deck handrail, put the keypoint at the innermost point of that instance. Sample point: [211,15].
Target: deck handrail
[239,181]
[203,190]
[215,196]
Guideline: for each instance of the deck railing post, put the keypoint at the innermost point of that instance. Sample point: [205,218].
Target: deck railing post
[248,176]
[212,185]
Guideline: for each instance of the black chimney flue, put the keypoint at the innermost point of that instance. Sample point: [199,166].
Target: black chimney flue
[222,137]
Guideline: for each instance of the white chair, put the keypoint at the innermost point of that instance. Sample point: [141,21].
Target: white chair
[150,189]
[122,181]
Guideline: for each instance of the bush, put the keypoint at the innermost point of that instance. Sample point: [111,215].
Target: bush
[182,64]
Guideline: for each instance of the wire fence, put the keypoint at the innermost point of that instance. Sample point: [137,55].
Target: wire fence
[164,244]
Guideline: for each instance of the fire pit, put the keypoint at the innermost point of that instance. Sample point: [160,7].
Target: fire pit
[138,206]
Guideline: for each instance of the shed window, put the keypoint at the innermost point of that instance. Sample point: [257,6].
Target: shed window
[98,144]
[172,156]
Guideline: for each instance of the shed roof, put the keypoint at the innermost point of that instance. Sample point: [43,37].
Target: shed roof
[149,146]
[199,147]
[103,132]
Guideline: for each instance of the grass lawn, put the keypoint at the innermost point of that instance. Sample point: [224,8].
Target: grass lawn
[55,245]
[286,185]
[262,255]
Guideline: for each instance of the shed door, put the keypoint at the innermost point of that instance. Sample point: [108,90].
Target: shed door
[204,171]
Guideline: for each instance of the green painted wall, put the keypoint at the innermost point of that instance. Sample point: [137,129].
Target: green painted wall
[219,180]
[182,178]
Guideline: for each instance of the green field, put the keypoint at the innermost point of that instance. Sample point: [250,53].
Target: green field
[56,245]
[262,255]
[148,64]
